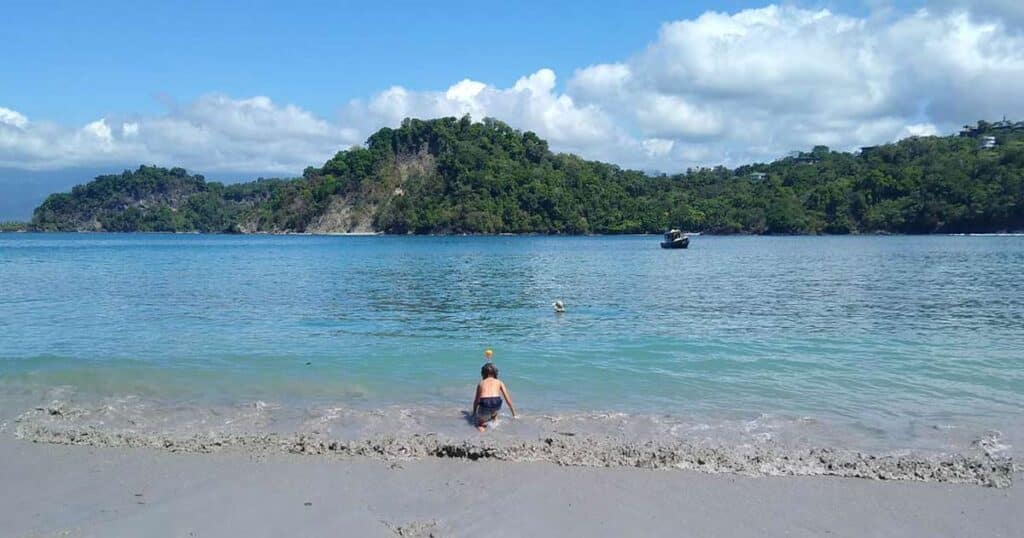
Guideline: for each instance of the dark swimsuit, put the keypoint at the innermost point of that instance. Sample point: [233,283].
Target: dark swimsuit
[489,405]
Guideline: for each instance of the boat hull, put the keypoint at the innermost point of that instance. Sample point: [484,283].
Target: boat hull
[678,243]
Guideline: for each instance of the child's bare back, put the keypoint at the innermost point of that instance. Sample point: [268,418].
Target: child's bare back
[489,394]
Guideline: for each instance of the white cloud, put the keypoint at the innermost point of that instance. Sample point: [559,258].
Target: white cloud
[921,129]
[465,91]
[657,147]
[100,130]
[716,89]
[12,118]
[532,103]
[1009,12]
[758,83]
[213,133]
[674,116]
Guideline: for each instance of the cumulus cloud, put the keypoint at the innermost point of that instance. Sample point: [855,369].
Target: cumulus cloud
[11,118]
[1010,12]
[721,88]
[755,84]
[531,103]
[213,133]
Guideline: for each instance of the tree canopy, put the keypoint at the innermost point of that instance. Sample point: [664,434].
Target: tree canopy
[454,175]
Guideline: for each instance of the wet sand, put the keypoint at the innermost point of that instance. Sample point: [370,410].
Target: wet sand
[983,464]
[56,490]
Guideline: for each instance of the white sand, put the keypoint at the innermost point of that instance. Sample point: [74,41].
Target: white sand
[52,490]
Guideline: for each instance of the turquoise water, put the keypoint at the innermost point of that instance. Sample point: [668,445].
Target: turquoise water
[905,341]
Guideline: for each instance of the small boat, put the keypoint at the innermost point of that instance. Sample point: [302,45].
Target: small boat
[675,239]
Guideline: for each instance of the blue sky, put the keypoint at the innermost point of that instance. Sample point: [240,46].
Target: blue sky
[76,61]
[236,90]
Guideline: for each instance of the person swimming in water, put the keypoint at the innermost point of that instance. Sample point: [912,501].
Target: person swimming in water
[489,394]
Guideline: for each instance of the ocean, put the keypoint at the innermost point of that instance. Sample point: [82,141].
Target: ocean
[890,345]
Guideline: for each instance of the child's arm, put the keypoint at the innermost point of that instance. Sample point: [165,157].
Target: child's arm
[508,399]
[476,400]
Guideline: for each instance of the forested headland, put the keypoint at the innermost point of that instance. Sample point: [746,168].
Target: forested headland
[452,175]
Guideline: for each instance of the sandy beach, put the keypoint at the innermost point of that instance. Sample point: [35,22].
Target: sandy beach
[54,490]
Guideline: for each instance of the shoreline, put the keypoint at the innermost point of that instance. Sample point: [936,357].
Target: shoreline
[982,464]
[53,490]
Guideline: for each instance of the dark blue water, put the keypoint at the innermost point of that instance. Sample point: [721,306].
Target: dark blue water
[882,336]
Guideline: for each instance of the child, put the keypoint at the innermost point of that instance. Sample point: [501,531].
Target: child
[488,397]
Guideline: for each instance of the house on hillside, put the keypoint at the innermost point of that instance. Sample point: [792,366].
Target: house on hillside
[1003,126]
[801,157]
[758,176]
[987,142]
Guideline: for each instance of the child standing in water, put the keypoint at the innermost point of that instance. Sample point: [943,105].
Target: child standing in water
[488,397]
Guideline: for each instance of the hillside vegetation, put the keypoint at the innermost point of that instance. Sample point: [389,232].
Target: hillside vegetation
[13,226]
[457,176]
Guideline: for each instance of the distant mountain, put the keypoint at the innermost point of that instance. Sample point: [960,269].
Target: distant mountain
[23,190]
[453,175]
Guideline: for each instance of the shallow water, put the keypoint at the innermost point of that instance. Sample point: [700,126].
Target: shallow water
[888,343]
